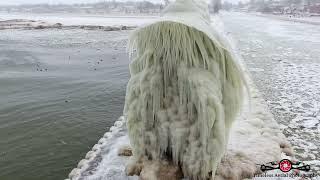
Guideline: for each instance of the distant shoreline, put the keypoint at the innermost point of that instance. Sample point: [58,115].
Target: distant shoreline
[32,25]
[109,22]
[109,15]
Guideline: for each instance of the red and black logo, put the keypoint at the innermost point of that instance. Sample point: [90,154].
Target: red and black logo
[285,165]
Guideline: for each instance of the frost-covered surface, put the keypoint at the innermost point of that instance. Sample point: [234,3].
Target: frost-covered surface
[283,58]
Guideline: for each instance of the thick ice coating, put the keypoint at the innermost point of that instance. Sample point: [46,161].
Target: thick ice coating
[184,93]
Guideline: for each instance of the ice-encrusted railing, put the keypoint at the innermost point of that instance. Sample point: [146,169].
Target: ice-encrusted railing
[93,157]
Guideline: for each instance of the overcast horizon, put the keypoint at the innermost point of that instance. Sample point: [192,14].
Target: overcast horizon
[19,2]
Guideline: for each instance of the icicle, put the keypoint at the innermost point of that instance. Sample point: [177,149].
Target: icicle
[182,97]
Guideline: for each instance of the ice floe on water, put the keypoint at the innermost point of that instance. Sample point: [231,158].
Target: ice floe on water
[299,86]
[290,82]
[292,92]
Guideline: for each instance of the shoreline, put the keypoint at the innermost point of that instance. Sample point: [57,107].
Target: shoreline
[110,15]
[111,20]
[25,24]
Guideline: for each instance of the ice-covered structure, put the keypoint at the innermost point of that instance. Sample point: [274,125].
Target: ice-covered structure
[185,91]
[255,139]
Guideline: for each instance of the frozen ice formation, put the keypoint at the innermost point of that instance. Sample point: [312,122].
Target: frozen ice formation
[184,93]
[182,98]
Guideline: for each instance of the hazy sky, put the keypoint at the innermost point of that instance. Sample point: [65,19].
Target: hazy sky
[15,2]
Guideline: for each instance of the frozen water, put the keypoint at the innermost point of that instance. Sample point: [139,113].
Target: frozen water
[301,99]
[71,19]
[289,54]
